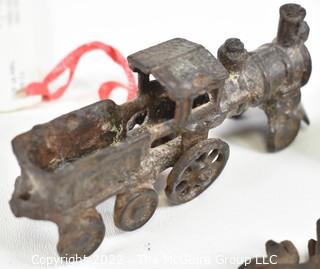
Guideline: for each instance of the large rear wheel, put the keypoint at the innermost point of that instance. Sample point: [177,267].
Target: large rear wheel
[196,170]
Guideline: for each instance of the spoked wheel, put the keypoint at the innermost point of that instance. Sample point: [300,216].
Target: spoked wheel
[196,169]
[134,209]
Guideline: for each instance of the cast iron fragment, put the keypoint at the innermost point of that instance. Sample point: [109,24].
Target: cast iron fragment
[284,255]
[75,162]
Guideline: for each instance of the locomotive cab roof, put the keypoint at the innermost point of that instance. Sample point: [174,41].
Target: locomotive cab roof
[185,69]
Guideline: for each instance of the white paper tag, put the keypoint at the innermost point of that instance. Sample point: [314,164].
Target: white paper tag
[24,51]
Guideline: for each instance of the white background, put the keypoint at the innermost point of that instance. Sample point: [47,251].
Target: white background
[259,196]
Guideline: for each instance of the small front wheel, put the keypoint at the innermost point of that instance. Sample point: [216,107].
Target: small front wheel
[134,209]
[196,170]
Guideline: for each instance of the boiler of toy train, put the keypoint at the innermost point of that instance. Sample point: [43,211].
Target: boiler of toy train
[270,77]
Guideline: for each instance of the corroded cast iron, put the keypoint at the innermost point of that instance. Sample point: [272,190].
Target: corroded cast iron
[284,255]
[75,162]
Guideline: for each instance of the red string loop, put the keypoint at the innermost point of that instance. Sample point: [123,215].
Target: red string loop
[70,63]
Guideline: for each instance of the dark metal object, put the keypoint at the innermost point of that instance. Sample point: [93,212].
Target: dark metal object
[284,255]
[75,162]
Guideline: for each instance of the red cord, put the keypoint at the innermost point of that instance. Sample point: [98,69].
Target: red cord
[70,63]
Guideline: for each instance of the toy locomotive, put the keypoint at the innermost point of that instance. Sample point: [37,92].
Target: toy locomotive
[73,163]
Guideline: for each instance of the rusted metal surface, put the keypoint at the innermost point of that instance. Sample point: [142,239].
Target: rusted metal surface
[284,255]
[75,162]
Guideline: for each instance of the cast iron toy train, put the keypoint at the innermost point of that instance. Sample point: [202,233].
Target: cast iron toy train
[75,162]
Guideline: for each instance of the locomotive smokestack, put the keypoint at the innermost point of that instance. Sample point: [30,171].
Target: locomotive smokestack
[292,29]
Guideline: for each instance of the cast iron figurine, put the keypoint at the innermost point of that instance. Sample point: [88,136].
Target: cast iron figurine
[75,162]
[284,255]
